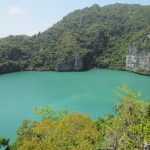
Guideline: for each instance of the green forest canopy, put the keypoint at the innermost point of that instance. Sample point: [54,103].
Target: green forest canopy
[99,35]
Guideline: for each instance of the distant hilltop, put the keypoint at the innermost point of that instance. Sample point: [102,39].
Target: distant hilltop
[91,37]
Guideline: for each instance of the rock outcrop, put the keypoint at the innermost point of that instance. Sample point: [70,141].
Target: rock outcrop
[138,61]
[71,62]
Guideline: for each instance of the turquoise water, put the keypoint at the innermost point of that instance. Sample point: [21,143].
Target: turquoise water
[91,92]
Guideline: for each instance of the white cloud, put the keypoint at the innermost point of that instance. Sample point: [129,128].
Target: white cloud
[16,10]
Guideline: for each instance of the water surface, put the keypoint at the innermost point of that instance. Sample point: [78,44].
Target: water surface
[91,92]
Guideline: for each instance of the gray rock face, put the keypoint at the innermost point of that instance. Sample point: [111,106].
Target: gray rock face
[70,62]
[137,61]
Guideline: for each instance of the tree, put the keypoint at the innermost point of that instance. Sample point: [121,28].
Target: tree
[4,143]
[128,128]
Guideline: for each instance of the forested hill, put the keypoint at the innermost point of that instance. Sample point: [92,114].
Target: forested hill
[92,37]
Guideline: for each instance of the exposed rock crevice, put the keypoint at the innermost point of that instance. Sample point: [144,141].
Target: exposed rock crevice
[138,61]
[70,62]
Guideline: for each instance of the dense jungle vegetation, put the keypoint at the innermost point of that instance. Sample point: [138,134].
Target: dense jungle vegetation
[92,37]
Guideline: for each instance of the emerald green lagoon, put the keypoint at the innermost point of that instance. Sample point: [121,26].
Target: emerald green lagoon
[90,92]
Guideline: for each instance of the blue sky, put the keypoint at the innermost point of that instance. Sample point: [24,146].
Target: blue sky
[31,16]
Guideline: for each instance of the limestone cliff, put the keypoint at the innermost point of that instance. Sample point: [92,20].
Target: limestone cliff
[70,62]
[138,60]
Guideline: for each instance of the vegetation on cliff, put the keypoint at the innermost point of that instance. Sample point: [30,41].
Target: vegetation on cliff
[91,37]
[127,128]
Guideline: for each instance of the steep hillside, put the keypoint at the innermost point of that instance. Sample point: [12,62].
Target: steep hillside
[91,37]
